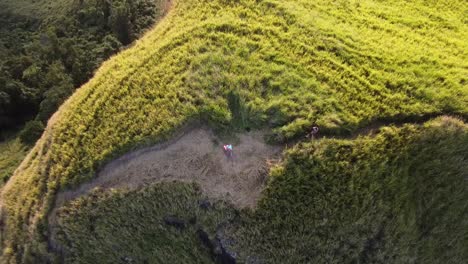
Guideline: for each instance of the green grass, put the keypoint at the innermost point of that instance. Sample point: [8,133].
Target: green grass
[114,225]
[12,152]
[398,197]
[340,65]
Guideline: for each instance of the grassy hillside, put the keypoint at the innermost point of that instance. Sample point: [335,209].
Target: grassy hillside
[102,225]
[49,48]
[12,152]
[245,64]
[399,197]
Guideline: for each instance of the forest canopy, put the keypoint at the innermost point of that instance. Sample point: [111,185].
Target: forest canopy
[46,57]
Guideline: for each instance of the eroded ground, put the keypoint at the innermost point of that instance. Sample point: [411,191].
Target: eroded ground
[195,157]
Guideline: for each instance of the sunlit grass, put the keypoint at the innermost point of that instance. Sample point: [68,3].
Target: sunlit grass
[340,65]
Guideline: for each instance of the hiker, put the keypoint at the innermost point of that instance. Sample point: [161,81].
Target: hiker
[228,150]
[313,132]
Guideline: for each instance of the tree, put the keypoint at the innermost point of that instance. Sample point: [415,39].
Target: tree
[31,132]
[60,87]
[119,22]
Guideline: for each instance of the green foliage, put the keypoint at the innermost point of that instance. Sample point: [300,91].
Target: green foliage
[59,52]
[293,63]
[31,132]
[238,111]
[399,197]
[12,152]
[112,226]
[61,87]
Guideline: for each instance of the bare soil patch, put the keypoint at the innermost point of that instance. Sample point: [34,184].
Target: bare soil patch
[195,157]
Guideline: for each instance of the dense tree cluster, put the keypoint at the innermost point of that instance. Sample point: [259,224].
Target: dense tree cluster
[43,61]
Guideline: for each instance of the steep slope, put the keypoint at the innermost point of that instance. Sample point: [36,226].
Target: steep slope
[241,65]
[170,217]
[50,48]
[397,197]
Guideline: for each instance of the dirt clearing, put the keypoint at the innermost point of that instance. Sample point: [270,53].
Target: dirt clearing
[196,157]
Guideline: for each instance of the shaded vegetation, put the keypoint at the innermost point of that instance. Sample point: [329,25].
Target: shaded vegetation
[12,152]
[400,197]
[53,47]
[281,64]
[31,132]
[113,226]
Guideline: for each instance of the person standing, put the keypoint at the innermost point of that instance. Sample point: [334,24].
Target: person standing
[313,133]
[228,150]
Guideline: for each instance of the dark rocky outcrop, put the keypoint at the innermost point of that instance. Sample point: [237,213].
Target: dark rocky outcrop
[126,259]
[227,255]
[175,222]
[218,250]
[205,238]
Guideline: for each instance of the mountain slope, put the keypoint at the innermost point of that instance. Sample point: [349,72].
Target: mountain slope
[50,48]
[240,65]
[396,197]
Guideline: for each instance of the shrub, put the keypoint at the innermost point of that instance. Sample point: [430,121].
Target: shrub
[31,132]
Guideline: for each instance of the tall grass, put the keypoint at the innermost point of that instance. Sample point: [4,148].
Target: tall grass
[12,152]
[116,225]
[340,65]
[398,197]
